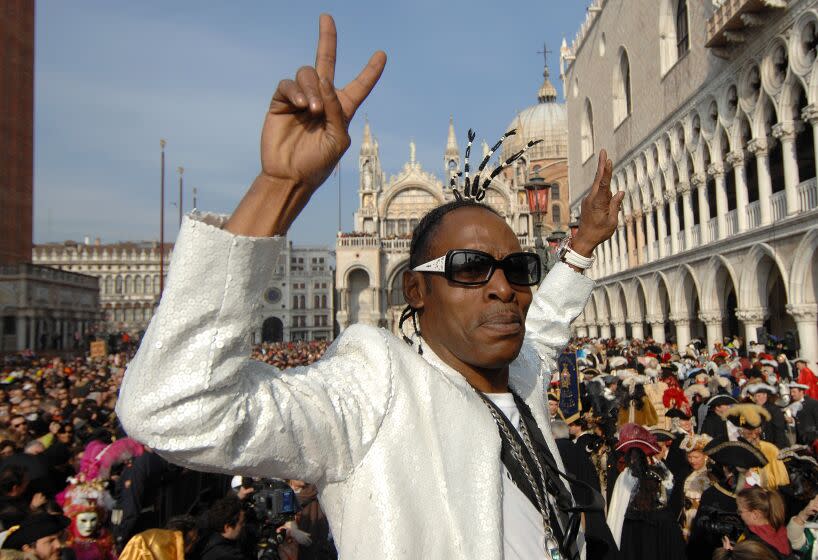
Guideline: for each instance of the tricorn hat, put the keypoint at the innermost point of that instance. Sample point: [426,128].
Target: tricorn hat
[735,454]
[633,435]
[34,528]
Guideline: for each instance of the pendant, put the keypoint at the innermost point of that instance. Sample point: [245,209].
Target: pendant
[552,548]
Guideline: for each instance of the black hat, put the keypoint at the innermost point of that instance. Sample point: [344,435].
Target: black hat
[662,435]
[34,528]
[755,373]
[677,413]
[720,399]
[593,372]
[735,454]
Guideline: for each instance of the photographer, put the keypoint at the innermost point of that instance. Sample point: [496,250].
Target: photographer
[226,521]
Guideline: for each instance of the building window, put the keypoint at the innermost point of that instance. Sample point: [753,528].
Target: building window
[119,284]
[555,191]
[682,39]
[147,288]
[316,301]
[587,131]
[109,285]
[622,88]
[323,302]
[137,284]
[556,215]
[302,302]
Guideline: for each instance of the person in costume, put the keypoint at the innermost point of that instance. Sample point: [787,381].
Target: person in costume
[636,407]
[456,403]
[638,516]
[804,414]
[718,514]
[764,517]
[38,536]
[697,481]
[773,430]
[87,505]
[749,418]
[715,425]
[805,376]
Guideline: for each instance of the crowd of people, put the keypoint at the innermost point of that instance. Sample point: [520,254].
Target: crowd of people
[73,485]
[699,452]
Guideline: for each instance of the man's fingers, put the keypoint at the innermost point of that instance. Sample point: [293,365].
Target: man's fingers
[356,91]
[616,204]
[600,168]
[288,98]
[332,106]
[307,80]
[327,44]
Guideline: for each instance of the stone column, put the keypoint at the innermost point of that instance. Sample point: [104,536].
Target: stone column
[581,329]
[687,208]
[637,329]
[619,328]
[759,147]
[670,198]
[753,318]
[631,236]
[651,236]
[593,330]
[623,247]
[605,330]
[682,323]
[657,325]
[810,115]
[786,132]
[736,159]
[22,328]
[805,316]
[712,320]
[640,238]
[717,171]
[614,252]
[661,225]
[32,333]
[697,181]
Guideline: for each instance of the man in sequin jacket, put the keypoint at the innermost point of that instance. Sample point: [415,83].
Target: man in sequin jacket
[403,450]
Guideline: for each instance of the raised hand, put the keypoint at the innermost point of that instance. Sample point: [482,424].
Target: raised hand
[305,130]
[600,210]
[305,133]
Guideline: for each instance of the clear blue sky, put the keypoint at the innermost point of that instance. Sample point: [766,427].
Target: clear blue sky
[112,78]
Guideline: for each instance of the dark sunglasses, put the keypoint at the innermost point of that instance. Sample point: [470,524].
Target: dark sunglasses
[473,268]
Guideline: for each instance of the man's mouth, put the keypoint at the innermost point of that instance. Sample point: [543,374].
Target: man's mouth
[504,323]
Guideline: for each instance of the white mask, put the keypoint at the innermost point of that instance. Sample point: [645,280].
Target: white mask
[87,523]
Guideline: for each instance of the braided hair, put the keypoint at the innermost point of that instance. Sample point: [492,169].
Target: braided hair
[420,247]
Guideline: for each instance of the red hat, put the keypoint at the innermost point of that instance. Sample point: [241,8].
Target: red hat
[634,435]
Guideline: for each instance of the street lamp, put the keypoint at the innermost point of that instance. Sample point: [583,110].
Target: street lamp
[536,190]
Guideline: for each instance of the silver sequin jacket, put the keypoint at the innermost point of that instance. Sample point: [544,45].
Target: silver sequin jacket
[405,454]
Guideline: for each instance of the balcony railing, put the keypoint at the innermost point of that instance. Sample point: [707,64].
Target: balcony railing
[753,214]
[732,20]
[807,195]
[655,245]
[780,205]
[732,222]
[396,244]
[667,245]
[680,240]
[362,242]
[697,235]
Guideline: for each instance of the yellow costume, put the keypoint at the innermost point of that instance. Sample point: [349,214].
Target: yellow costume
[774,473]
[155,544]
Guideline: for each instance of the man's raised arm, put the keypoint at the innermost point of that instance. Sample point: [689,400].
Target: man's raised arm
[191,392]
[565,291]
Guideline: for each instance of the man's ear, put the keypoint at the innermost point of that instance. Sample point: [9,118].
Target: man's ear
[414,289]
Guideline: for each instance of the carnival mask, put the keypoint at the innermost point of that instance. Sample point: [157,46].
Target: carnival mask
[87,523]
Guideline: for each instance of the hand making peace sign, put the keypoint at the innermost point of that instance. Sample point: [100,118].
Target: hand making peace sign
[305,134]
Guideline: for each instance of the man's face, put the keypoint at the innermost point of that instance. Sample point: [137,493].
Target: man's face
[686,424]
[473,327]
[553,407]
[721,409]
[796,394]
[696,459]
[799,366]
[760,398]
[767,370]
[46,548]
[19,425]
[753,435]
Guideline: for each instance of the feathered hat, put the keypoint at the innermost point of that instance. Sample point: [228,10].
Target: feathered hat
[747,415]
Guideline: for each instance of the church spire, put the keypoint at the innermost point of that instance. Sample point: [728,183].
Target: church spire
[452,149]
[547,92]
[367,145]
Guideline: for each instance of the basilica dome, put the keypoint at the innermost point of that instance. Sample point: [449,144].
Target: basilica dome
[547,120]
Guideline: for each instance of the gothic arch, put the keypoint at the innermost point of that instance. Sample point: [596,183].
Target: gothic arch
[395,283]
[603,309]
[757,266]
[719,278]
[803,279]
[790,93]
[659,295]
[614,295]
[687,291]
[353,268]
[410,185]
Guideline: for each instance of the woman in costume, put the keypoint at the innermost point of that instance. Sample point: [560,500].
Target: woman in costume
[697,481]
[638,516]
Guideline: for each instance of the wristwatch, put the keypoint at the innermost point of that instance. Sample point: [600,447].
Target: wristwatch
[567,255]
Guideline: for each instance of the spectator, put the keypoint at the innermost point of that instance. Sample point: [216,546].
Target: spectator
[226,521]
[38,535]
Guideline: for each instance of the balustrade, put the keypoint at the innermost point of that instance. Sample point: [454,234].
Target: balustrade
[753,214]
[807,195]
[779,205]
[732,222]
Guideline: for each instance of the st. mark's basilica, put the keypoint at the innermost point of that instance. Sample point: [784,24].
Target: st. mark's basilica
[370,260]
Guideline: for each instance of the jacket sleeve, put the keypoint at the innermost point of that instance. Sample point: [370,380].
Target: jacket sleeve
[560,299]
[193,394]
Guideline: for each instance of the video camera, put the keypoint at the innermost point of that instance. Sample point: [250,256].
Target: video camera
[274,503]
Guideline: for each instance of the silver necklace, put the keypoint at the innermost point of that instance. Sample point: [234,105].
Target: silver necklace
[550,543]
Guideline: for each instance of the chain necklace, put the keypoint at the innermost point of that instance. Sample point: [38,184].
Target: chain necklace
[550,543]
